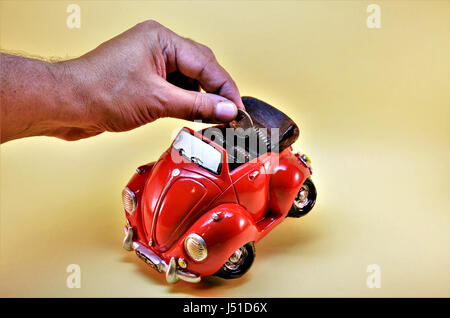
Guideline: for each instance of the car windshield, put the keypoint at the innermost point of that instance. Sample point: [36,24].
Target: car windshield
[198,151]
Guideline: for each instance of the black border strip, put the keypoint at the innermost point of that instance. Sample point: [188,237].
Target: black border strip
[165,307]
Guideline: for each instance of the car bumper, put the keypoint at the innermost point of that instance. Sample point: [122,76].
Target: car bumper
[173,273]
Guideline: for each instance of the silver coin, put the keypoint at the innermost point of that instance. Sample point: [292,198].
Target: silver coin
[242,120]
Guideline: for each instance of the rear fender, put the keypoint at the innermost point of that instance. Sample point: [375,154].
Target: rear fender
[224,229]
[285,182]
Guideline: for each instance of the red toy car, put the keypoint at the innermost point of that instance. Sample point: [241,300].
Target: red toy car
[198,211]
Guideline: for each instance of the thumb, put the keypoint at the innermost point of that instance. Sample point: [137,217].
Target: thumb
[190,105]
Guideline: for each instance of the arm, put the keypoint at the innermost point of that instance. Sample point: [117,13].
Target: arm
[122,84]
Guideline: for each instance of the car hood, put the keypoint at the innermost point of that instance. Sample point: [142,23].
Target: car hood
[174,198]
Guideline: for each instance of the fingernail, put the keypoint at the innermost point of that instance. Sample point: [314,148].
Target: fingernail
[226,110]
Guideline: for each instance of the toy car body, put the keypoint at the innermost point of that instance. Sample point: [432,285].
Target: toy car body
[195,212]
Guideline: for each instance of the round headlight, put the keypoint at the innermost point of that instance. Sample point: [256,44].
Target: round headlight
[129,200]
[195,247]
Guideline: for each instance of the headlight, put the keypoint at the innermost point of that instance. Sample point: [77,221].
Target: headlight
[129,200]
[195,247]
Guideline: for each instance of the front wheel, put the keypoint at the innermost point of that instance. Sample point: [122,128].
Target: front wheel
[304,201]
[238,263]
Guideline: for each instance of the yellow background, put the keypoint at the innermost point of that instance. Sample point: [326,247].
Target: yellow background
[373,106]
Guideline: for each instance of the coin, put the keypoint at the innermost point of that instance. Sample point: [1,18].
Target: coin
[242,120]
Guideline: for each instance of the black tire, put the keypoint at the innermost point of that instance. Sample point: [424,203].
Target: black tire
[232,269]
[300,208]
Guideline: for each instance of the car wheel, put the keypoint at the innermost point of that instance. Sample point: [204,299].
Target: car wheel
[304,201]
[238,263]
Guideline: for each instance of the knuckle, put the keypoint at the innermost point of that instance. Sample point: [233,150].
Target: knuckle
[167,34]
[200,107]
[199,103]
[149,24]
[207,51]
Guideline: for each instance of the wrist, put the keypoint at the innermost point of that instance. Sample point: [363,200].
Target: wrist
[72,94]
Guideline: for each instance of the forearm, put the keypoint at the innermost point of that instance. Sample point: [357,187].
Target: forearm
[35,98]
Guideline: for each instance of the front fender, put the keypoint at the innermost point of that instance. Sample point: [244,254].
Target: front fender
[233,228]
[136,185]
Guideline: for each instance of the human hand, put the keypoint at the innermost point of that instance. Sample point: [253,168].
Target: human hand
[124,83]
[127,81]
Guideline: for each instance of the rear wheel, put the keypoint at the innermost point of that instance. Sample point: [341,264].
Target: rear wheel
[238,263]
[304,201]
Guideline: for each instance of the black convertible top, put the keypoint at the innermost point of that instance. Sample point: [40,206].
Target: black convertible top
[267,116]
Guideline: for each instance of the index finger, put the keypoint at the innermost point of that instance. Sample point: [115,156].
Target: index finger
[198,62]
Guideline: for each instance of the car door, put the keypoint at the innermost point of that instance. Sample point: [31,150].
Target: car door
[250,183]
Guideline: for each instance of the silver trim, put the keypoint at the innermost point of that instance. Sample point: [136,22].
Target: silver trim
[237,259]
[173,274]
[148,256]
[252,176]
[128,239]
[301,200]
